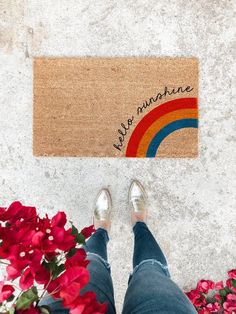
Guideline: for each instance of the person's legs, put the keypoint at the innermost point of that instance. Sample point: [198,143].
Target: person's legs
[150,289]
[100,280]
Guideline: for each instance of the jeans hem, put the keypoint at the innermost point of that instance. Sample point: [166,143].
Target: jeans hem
[107,265]
[152,261]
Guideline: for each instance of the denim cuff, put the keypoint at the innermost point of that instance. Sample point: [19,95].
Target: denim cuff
[152,261]
[92,256]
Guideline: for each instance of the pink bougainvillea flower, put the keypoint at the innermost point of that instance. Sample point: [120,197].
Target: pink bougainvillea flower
[74,274]
[51,235]
[217,297]
[232,274]
[19,233]
[59,220]
[21,257]
[54,288]
[59,285]
[87,304]
[79,259]
[229,306]
[42,275]
[231,297]
[5,291]
[196,297]
[16,211]
[193,295]
[88,231]
[70,293]
[204,311]
[26,279]
[63,239]
[229,283]
[205,285]
[213,307]
[12,272]
[219,285]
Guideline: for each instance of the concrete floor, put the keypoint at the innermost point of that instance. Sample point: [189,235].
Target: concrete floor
[192,202]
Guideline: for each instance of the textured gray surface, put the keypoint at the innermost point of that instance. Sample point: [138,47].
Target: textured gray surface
[192,202]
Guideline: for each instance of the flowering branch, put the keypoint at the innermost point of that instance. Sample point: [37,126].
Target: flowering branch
[42,255]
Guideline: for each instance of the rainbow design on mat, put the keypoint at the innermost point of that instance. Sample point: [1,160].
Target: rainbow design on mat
[160,122]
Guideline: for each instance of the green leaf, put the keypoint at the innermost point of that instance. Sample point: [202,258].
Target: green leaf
[233,282]
[11,298]
[50,266]
[79,237]
[44,309]
[222,292]
[27,298]
[71,252]
[58,269]
[227,290]
[74,230]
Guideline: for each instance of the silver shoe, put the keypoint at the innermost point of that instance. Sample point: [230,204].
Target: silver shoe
[138,198]
[103,205]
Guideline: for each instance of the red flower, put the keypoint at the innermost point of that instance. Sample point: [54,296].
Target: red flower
[231,297]
[213,308]
[88,231]
[12,272]
[72,280]
[26,279]
[229,283]
[196,297]
[79,259]
[204,311]
[229,306]
[76,274]
[205,285]
[5,291]
[42,276]
[219,285]
[70,294]
[51,235]
[16,211]
[217,297]
[232,274]
[21,257]
[88,305]
[59,220]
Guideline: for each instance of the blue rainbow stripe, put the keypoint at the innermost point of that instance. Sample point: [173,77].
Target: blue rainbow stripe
[167,130]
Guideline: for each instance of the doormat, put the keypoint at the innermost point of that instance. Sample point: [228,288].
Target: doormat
[115,107]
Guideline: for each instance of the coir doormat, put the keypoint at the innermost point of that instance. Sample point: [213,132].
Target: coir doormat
[115,107]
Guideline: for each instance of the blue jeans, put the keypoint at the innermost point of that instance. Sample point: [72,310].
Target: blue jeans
[150,289]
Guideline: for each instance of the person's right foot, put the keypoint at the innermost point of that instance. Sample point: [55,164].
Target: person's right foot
[137,202]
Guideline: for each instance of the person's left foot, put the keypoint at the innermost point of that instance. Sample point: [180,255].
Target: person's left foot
[102,210]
